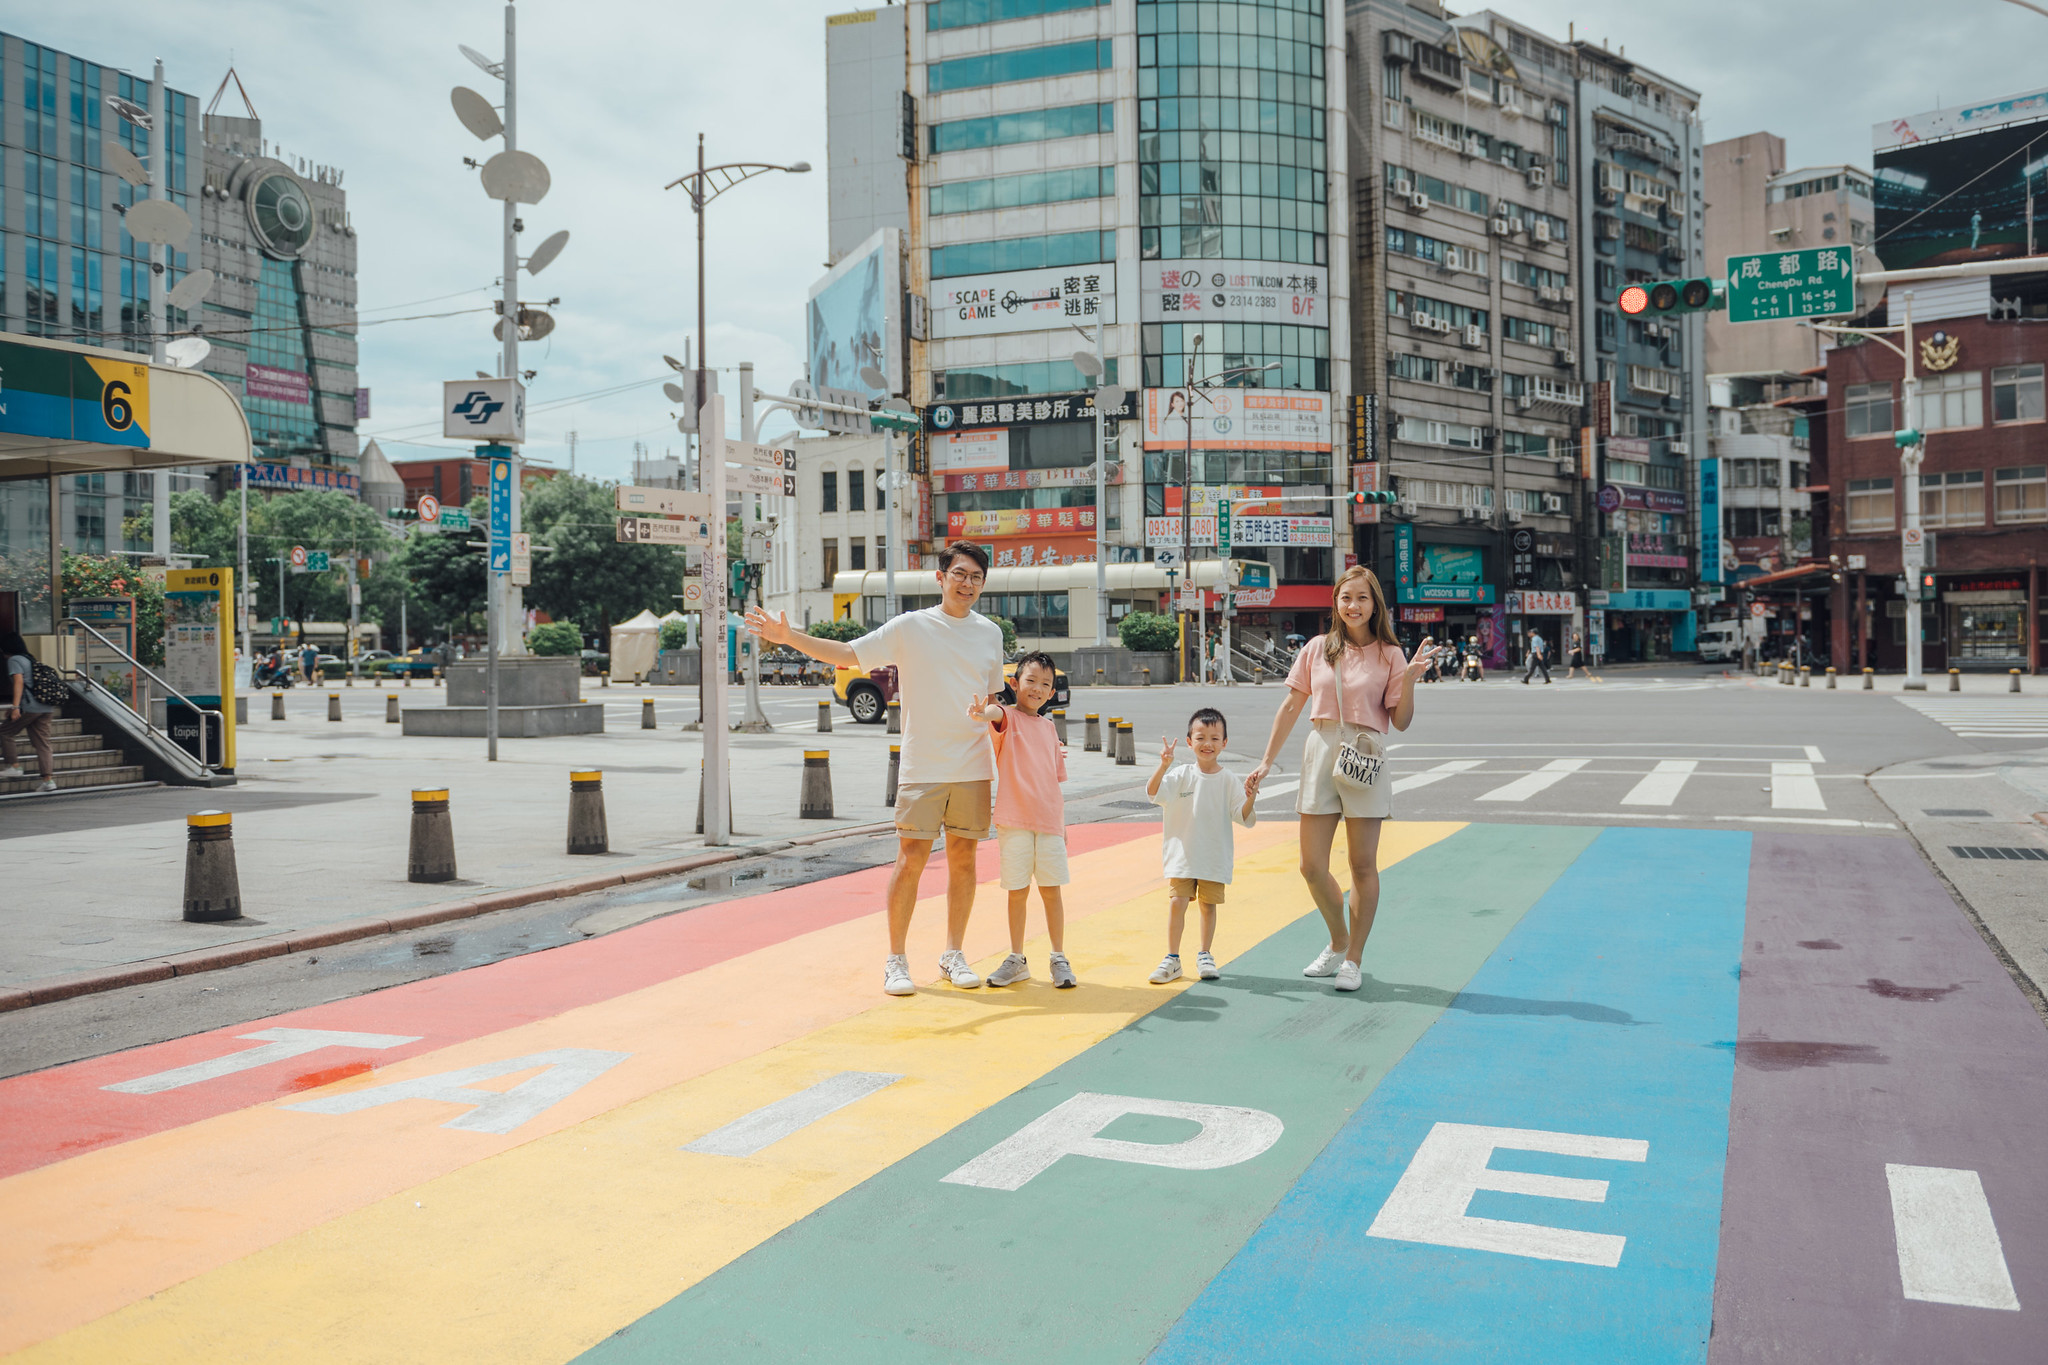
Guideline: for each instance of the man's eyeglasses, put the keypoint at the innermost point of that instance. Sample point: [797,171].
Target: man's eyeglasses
[966,578]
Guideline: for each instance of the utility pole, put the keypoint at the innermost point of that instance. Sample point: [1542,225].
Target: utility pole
[160,301]
[717,819]
[511,597]
[1101,485]
[572,453]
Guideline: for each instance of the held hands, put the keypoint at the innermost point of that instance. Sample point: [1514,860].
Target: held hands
[774,629]
[1251,782]
[1418,665]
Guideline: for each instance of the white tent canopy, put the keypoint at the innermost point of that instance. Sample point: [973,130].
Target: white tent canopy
[633,646]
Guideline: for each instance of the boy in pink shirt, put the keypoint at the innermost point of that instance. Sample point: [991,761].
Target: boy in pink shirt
[1030,816]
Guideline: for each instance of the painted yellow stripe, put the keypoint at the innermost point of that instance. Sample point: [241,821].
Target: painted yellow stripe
[92,1234]
[542,1250]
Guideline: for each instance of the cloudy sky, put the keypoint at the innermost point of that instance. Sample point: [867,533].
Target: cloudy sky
[614,93]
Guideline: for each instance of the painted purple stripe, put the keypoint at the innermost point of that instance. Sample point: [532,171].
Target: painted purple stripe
[1875,1027]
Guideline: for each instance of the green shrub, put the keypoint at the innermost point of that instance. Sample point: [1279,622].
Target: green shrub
[555,639]
[675,635]
[837,630]
[1149,632]
[1009,635]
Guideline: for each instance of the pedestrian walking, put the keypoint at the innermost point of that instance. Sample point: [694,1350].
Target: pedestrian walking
[945,657]
[1030,815]
[1576,659]
[1198,803]
[1539,657]
[26,713]
[309,661]
[1354,682]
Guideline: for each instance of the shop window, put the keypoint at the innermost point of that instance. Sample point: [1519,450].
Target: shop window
[1952,499]
[1871,506]
[1867,409]
[2021,494]
[2016,394]
[1951,401]
[828,491]
[856,496]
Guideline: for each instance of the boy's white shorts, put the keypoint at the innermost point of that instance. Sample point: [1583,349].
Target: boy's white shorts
[1029,856]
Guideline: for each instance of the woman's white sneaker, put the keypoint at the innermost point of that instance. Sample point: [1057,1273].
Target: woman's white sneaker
[1325,963]
[953,963]
[896,976]
[1348,977]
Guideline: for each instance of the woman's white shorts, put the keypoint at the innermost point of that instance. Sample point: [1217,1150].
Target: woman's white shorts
[1320,794]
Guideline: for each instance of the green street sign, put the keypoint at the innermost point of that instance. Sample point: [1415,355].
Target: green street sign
[1816,282]
[1223,527]
[316,561]
[454,519]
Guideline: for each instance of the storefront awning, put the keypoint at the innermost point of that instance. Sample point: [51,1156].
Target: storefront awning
[68,409]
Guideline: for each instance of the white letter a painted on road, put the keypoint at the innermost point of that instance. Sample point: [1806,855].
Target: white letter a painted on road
[1229,1135]
[569,1069]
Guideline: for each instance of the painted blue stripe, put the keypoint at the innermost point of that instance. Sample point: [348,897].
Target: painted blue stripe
[1642,940]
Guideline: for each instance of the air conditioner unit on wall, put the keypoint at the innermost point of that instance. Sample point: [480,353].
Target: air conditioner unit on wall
[1542,232]
[1474,337]
[1681,447]
[1524,402]
[1406,508]
[1548,293]
[1399,47]
[1553,502]
[1568,294]
[1472,146]
[1514,516]
[1418,201]
[1538,177]
[1567,356]
[1502,227]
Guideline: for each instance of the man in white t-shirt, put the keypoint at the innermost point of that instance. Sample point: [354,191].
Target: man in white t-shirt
[945,657]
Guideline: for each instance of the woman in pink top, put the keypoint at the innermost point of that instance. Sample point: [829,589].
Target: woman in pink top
[1030,814]
[1354,681]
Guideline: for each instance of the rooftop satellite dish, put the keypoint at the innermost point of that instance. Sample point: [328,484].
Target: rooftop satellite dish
[191,289]
[187,352]
[1087,364]
[544,255]
[1111,398]
[516,176]
[676,393]
[873,377]
[124,163]
[158,222]
[476,113]
[676,365]
[898,405]
[129,110]
[485,63]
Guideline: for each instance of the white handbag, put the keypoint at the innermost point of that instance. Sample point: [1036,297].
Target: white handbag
[1358,770]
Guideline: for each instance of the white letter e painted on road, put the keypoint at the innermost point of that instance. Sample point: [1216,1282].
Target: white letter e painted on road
[1229,1135]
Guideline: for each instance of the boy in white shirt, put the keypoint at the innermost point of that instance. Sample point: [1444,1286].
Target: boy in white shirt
[1198,802]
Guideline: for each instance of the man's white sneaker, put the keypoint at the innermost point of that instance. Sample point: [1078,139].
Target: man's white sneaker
[1205,967]
[1013,970]
[1348,977]
[1167,970]
[953,963]
[896,976]
[48,786]
[1325,963]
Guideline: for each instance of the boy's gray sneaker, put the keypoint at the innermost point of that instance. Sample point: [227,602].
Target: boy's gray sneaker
[953,963]
[1013,970]
[1062,973]
[1205,967]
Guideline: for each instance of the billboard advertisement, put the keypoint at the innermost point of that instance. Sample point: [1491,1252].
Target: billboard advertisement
[1233,291]
[1020,521]
[1965,199]
[1238,419]
[1961,118]
[855,318]
[1022,301]
[976,450]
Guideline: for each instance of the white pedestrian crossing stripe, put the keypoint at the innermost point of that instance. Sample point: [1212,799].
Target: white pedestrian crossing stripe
[1662,786]
[1436,774]
[1526,786]
[2005,717]
[1793,787]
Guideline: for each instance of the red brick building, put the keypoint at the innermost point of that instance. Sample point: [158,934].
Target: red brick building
[455,479]
[1983,484]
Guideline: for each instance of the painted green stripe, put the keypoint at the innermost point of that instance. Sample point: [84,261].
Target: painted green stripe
[1094,1260]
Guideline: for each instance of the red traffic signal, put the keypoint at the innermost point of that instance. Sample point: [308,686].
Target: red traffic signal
[1634,299]
[1665,298]
[1382,496]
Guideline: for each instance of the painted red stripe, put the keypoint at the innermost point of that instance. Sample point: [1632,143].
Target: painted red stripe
[62,1112]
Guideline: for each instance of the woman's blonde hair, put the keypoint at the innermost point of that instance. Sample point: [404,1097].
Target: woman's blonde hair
[1379,626]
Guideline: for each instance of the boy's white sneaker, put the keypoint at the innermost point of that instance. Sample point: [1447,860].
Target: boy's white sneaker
[1062,972]
[1167,970]
[1205,967]
[1348,977]
[953,963]
[896,976]
[1013,970]
[1325,963]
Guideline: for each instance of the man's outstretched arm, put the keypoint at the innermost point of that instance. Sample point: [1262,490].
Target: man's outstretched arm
[776,630]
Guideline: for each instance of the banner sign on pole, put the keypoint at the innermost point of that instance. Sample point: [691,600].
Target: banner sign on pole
[646,531]
[501,508]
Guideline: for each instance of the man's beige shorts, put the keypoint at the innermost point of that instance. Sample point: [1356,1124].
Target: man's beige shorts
[924,808]
[1206,892]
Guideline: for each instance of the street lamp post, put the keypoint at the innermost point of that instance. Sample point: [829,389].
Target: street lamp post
[1190,391]
[1094,365]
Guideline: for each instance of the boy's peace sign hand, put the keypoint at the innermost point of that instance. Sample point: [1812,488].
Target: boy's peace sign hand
[980,708]
[1167,744]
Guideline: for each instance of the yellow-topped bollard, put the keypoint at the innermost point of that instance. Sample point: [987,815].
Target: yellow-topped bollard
[1091,734]
[895,766]
[431,857]
[212,890]
[647,713]
[277,706]
[334,706]
[587,832]
[1955,680]
[1869,679]
[814,801]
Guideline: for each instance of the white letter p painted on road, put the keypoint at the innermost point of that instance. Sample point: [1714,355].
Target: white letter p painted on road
[1229,1135]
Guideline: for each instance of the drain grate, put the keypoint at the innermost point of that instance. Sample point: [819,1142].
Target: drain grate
[2018,855]
[1956,813]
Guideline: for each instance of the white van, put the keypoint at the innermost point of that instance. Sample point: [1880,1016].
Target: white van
[1722,641]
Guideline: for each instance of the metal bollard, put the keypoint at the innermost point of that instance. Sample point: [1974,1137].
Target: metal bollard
[2014,675]
[1805,675]
[1869,679]
[348,680]
[825,716]
[647,713]
[391,708]
[277,706]
[1059,725]
[604,679]
[1148,677]
[815,800]
[1831,679]
[895,762]
[431,857]
[1098,677]
[1110,748]
[1126,746]
[334,706]
[587,832]
[895,716]
[1785,674]
[1091,742]
[1955,680]
[212,890]
[437,675]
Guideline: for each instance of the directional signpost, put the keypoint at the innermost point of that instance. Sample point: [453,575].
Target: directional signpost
[763,469]
[1812,283]
[662,516]
[653,531]
[453,519]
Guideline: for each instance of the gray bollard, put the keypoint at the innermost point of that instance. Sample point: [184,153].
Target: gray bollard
[1091,741]
[334,706]
[212,890]
[895,764]
[1059,725]
[1869,679]
[825,716]
[1126,746]
[604,679]
[406,681]
[431,857]
[1831,680]
[2014,675]
[1110,747]
[587,833]
[895,716]
[1805,676]
[647,713]
[1785,674]
[814,802]
[391,708]
[1955,680]
[277,706]
[1147,671]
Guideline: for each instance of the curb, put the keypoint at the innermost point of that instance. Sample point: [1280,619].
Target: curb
[348,931]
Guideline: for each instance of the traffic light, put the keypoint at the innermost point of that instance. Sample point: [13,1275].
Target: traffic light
[1382,496]
[1927,592]
[1669,298]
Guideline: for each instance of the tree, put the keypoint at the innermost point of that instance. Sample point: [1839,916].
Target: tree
[585,574]
[107,576]
[837,630]
[1009,635]
[1148,632]
[444,576]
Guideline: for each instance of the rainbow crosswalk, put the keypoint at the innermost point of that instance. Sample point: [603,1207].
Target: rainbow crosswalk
[1586,1070]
